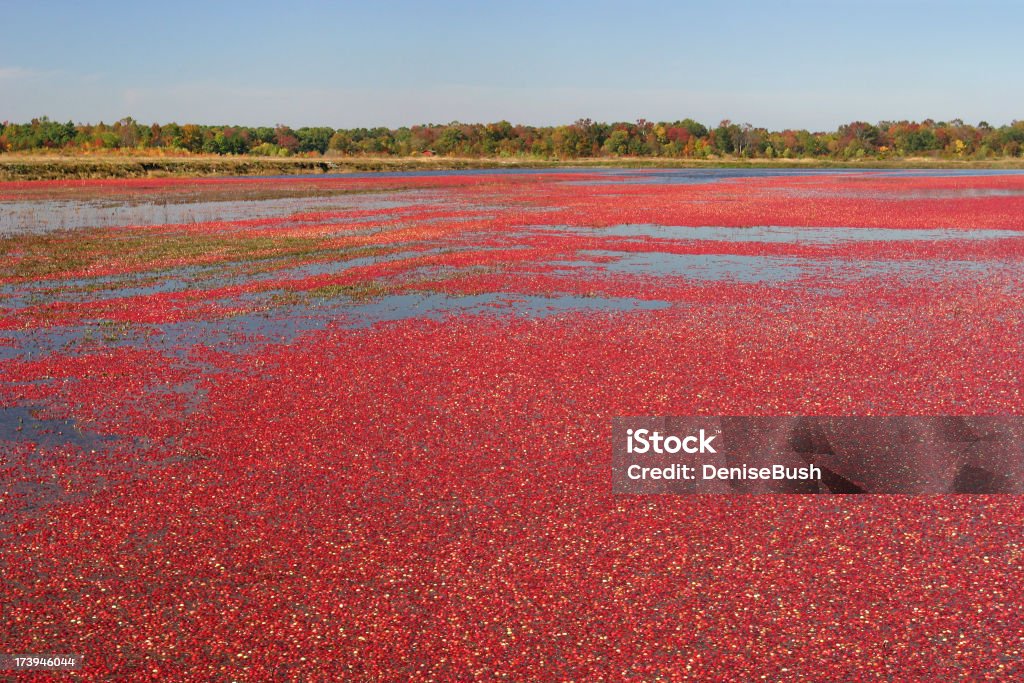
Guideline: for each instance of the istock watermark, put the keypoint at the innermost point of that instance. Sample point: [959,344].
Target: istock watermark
[738,454]
[645,440]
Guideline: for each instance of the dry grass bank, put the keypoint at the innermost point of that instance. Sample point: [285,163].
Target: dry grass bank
[46,167]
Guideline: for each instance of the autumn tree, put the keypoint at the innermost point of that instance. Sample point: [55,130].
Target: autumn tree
[285,138]
[191,137]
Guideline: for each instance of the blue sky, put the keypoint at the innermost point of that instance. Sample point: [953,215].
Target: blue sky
[342,64]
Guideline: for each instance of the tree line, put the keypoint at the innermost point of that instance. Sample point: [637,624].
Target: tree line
[685,139]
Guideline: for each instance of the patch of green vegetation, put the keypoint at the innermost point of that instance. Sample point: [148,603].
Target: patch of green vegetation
[33,257]
[358,292]
[113,331]
[286,298]
[292,260]
[37,256]
[109,286]
[107,331]
[439,278]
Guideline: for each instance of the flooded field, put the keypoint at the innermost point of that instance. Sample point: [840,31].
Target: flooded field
[361,423]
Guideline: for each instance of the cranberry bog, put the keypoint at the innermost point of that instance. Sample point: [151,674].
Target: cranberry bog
[358,426]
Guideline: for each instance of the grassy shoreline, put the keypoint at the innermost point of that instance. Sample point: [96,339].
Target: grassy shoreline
[33,167]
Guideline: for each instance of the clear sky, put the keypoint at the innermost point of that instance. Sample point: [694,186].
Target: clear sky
[810,64]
